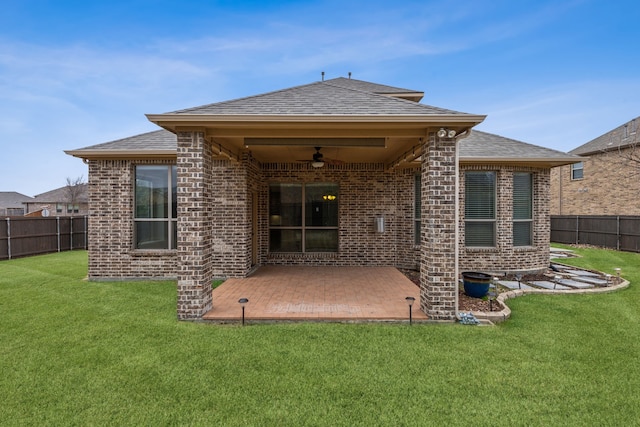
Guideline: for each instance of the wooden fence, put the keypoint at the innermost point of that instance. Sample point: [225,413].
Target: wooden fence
[30,236]
[616,232]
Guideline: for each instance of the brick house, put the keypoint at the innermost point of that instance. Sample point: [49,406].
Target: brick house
[607,179]
[339,172]
[63,201]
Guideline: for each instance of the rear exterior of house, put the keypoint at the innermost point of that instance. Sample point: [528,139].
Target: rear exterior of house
[339,172]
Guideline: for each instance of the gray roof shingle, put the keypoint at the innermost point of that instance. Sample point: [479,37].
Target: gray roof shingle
[62,194]
[478,145]
[150,141]
[13,199]
[483,145]
[623,136]
[321,99]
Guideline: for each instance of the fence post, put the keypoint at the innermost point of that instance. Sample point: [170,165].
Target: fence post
[58,231]
[71,233]
[9,237]
[577,228]
[617,233]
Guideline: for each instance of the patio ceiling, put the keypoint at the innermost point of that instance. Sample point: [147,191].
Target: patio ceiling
[382,140]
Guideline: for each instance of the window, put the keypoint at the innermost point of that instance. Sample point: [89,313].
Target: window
[522,209]
[480,209]
[417,209]
[303,217]
[59,207]
[155,207]
[71,208]
[577,170]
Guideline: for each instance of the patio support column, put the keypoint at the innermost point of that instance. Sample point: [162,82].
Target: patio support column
[194,226]
[438,234]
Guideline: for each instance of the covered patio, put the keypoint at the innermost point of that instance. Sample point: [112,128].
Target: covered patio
[301,293]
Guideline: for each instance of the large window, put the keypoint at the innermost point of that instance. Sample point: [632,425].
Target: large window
[577,170]
[522,209]
[303,217]
[480,209]
[155,207]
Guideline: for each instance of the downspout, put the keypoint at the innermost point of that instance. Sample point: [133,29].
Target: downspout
[462,135]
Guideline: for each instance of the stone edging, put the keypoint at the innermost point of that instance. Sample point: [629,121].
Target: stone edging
[501,316]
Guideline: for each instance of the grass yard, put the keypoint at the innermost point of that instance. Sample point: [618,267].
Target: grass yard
[80,353]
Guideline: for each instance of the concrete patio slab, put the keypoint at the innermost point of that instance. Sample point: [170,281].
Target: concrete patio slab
[550,285]
[512,284]
[290,293]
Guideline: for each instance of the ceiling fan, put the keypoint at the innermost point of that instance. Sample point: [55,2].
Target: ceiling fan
[318,160]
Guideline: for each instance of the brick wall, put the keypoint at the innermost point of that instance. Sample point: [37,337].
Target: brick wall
[196,205]
[111,253]
[365,192]
[610,186]
[437,234]
[505,257]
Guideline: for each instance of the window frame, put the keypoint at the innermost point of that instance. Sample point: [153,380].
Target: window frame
[492,221]
[531,208]
[170,219]
[303,227]
[574,169]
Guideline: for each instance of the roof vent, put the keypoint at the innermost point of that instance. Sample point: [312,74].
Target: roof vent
[323,76]
[349,75]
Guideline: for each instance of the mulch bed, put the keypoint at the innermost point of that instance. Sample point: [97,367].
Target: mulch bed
[467,303]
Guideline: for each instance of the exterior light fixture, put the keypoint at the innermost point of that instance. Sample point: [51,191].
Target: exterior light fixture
[329,197]
[243,302]
[449,133]
[410,301]
[556,278]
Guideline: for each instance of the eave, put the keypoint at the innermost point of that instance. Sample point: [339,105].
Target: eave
[123,154]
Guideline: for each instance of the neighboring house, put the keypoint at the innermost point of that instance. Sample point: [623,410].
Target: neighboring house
[11,203]
[339,172]
[63,201]
[606,181]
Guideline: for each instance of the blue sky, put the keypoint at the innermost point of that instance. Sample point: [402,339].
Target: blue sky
[77,73]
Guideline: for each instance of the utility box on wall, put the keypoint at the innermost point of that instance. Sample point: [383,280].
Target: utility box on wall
[379,224]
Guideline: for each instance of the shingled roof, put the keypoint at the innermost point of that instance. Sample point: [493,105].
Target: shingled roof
[337,97]
[623,136]
[477,147]
[482,146]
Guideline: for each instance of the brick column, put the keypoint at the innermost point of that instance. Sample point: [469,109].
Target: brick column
[194,225]
[437,254]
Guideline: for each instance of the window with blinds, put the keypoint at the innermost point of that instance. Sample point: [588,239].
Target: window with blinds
[522,209]
[480,209]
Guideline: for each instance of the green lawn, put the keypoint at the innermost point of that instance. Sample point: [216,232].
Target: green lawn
[74,352]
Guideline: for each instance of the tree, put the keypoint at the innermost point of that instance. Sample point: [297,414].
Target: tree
[73,191]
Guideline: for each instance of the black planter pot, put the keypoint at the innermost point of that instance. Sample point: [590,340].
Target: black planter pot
[476,284]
